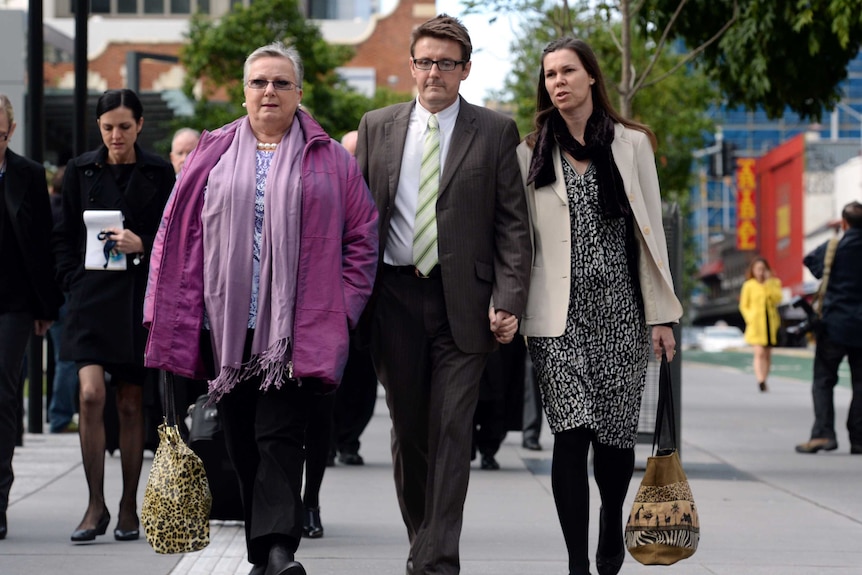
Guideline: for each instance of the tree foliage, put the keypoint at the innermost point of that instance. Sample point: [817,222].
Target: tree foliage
[779,54]
[216,50]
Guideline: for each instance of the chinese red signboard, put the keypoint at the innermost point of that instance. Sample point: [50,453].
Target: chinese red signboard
[746,205]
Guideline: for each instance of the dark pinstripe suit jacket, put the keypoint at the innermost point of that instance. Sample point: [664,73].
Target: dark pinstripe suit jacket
[482,222]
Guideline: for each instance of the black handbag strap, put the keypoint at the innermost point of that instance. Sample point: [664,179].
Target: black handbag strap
[665,420]
[168,407]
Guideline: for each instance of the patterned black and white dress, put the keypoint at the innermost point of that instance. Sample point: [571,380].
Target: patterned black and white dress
[593,375]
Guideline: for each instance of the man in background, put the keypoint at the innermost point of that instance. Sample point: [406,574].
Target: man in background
[840,336]
[184,141]
[29,296]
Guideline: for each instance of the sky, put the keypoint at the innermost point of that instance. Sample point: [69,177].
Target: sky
[490,48]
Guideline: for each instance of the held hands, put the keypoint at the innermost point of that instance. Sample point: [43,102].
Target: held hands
[662,338]
[504,325]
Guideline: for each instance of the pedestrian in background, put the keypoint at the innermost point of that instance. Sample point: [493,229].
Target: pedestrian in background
[103,331]
[453,278]
[840,336]
[29,298]
[64,388]
[532,416]
[600,285]
[278,232]
[182,144]
[758,304]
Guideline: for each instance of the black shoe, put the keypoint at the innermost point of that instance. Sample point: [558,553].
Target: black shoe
[258,569]
[312,527]
[3,525]
[80,535]
[281,562]
[855,449]
[351,459]
[610,565]
[489,463]
[130,535]
[815,445]
[531,443]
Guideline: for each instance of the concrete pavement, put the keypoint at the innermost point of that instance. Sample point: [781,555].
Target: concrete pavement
[764,509]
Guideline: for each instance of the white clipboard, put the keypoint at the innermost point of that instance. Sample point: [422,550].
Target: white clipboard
[98,255]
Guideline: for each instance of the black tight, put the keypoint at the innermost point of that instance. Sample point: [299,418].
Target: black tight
[612,469]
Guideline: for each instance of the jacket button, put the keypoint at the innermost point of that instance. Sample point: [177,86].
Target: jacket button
[88,173]
[646,230]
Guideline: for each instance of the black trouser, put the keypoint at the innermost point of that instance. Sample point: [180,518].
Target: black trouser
[354,400]
[15,330]
[827,358]
[532,426]
[612,468]
[264,434]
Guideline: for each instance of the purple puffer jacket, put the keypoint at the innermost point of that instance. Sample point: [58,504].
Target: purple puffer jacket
[334,277]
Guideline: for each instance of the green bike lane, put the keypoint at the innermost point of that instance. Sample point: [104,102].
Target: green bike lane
[793,363]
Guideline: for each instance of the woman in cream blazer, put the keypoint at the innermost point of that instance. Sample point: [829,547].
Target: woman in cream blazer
[601,295]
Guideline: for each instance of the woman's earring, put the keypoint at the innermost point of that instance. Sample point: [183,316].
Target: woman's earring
[243,104]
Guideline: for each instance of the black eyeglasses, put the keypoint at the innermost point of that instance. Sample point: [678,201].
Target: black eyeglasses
[280,85]
[442,65]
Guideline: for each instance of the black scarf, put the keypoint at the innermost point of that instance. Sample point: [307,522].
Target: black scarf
[598,136]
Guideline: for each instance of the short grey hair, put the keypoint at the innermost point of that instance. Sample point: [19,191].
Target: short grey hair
[6,106]
[183,132]
[275,50]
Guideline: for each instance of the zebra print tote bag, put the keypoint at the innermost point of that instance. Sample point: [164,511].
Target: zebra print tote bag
[663,526]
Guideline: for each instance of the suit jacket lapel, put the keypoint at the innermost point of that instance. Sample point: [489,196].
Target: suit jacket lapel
[462,138]
[395,136]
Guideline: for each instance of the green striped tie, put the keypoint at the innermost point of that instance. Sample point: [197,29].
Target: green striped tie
[425,226]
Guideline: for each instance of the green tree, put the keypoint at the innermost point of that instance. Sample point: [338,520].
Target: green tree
[778,55]
[216,50]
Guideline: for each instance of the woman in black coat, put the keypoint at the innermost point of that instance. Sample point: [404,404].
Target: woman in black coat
[104,330]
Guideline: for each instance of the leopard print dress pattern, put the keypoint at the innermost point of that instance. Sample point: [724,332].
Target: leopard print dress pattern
[593,375]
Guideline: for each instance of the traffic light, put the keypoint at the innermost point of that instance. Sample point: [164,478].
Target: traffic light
[728,158]
[723,162]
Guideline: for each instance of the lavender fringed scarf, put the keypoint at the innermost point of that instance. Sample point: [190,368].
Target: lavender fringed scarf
[228,226]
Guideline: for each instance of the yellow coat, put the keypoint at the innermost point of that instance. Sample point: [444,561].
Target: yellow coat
[756,301]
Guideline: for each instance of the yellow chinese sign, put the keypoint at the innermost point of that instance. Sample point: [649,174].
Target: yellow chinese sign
[746,205]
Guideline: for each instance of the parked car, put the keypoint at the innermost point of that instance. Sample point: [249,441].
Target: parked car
[721,338]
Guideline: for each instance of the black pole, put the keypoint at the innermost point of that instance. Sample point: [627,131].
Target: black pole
[35,138]
[82,12]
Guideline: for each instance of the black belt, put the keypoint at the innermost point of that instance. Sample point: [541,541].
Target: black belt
[412,271]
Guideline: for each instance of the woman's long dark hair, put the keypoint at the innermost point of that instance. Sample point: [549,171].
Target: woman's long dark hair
[544,105]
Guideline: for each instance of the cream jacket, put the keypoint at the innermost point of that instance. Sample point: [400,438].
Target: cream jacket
[550,229]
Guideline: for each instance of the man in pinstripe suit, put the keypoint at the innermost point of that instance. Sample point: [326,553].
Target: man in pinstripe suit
[432,326]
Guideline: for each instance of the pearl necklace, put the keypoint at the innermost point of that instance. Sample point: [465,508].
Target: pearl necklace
[266,147]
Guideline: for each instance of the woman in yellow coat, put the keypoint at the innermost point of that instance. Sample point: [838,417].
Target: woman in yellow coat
[758,303]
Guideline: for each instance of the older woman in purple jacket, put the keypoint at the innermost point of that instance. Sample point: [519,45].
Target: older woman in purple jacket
[268,248]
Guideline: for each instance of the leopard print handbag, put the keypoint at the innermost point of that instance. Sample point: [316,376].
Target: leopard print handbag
[663,526]
[177,500]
